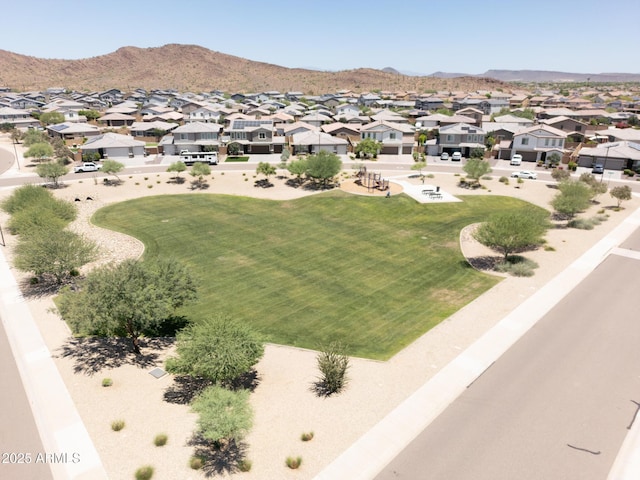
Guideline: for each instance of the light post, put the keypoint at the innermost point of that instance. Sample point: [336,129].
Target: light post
[606,156]
[15,150]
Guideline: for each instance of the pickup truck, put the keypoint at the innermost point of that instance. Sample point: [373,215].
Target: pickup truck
[87,167]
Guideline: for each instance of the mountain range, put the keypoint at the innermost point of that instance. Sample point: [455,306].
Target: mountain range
[195,68]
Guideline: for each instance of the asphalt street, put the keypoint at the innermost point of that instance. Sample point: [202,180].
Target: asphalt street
[557,405]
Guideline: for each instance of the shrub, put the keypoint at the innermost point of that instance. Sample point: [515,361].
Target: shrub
[144,473]
[149,186]
[628,172]
[581,224]
[293,463]
[196,463]
[306,436]
[430,175]
[107,382]
[333,365]
[244,465]
[117,425]
[160,440]
[504,180]
[25,197]
[573,166]
[521,270]
[549,248]
[517,266]
[223,414]
[487,177]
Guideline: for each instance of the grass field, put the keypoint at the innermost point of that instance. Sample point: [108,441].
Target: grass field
[374,273]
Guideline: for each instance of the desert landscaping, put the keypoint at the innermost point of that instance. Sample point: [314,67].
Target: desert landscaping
[283,402]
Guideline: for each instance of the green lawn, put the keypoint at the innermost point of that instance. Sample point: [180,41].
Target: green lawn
[237,159]
[374,273]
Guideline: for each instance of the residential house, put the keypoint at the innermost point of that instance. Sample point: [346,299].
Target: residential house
[317,119]
[313,142]
[114,145]
[368,99]
[289,129]
[473,113]
[612,156]
[117,120]
[537,142]
[73,132]
[254,136]
[430,103]
[346,131]
[148,130]
[460,137]
[194,137]
[204,114]
[389,116]
[396,138]
[20,118]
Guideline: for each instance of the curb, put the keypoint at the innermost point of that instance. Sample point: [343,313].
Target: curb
[61,429]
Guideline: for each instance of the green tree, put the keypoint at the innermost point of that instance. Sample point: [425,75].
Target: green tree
[475,168]
[266,169]
[112,167]
[128,299]
[284,158]
[323,166]
[177,167]
[54,252]
[91,115]
[16,135]
[53,171]
[510,232]
[199,170]
[477,153]
[60,149]
[218,349]
[233,149]
[223,415]
[39,151]
[333,364]
[33,136]
[597,187]
[368,148]
[621,193]
[51,118]
[554,159]
[574,197]
[7,127]
[298,168]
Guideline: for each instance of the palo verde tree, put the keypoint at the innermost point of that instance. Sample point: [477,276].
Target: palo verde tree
[51,118]
[511,232]
[323,166]
[199,170]
[223,415]
[128,299]
[53,252]
[177,167]
[621,193]
[39,151]
[266,169]
[597,187]
[217,349]
[298,168]
[112,167]
[52,171]
[574,197]
[475,168]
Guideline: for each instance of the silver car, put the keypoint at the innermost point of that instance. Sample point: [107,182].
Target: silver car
[525,174]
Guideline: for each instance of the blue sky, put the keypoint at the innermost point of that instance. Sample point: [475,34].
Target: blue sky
[421,36]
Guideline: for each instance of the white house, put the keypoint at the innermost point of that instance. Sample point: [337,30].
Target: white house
[397,138]
[535,143]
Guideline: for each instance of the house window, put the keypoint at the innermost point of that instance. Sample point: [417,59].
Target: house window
[525,141]
[546,142]
[184,136]
[262,135]
[578,128]
[449,138]
[392,136]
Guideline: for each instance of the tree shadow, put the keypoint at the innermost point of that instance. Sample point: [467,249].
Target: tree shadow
[93,354]
[111,182]
[263,183]
[199,185]
[184,389]
[42,286]
[321,389]
[176,180]
[485,262]
[218,459]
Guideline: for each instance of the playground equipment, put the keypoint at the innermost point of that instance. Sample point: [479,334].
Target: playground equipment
[372,181]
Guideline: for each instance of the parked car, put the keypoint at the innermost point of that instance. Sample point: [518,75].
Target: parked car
[87,167]
[597,168]
[525,174]
[516,159]
[444,156]
[456,156]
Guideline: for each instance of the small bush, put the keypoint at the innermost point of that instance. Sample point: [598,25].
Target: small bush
[504,180]
[158,182]
[34,281]
[196,463]
[107,382]
[521,270]
[306,436]
[149,186]
[137,183]
[246,179]
[144,473]
[601,211]
[581,224]
[549,248]
[244,465]
[487,177]
[160,440]
[293,463]
[333,365]
[146,178]
[117,425]
[430,175]
[517,266]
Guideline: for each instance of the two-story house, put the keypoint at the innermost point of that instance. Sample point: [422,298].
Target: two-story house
[194,137]
[254,136]
[460,137]
[537,142]
[396,138]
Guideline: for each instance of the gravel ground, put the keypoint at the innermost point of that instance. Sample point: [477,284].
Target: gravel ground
[283,403]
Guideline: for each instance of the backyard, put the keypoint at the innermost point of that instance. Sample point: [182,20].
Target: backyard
[373,273]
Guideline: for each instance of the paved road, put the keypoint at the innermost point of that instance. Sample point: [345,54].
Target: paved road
[557,405]
[18,431]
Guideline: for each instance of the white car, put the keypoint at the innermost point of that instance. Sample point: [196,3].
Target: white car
[87,167]
[516,159]
[444,156]
[525,174]
[456,156]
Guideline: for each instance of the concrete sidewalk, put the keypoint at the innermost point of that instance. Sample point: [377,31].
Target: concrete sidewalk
[375,449]
[63,434]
